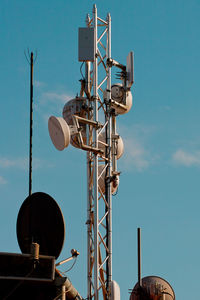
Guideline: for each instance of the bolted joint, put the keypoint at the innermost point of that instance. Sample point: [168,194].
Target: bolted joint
[109,62]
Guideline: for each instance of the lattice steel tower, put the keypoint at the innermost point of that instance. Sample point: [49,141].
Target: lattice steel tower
[89,123]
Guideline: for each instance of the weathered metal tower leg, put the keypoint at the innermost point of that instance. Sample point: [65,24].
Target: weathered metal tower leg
[109,159]
[99,206]
[89,176]
[89,190]
[96,210]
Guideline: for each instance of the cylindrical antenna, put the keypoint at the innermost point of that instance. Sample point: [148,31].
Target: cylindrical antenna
[139,256]
[31,124]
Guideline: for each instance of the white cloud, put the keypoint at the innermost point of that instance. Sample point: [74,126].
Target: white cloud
[2,180]
[39,163]
[138,154]
[23,163]
[135,156]
[55,97]
[51,103]
[166,107]
[187,159]
[20,163]
[38,83]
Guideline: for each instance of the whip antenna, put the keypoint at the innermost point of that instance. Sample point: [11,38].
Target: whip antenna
[31,125]
[31,62]
[139,256]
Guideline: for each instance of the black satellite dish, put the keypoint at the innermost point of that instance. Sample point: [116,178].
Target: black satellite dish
[40,220]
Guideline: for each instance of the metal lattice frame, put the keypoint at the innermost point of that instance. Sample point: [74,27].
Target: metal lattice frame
[92,127]
[99,203]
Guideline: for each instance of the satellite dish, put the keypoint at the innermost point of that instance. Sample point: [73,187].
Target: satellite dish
[59,132]
[101,181]
[40,220]
[153,287]
[76,107]
[119,145]
[121,99]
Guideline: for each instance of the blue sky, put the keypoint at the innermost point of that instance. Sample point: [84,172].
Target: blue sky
[159,184]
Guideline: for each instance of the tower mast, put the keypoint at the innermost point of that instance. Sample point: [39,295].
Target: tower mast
[89,123]
[99,203]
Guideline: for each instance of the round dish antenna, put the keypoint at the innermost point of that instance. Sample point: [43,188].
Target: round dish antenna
[101,180]
[118,94]
[77,107]
[40,220]
[59,132]
[153,287]
[115,290]
[121,99]
[119,144]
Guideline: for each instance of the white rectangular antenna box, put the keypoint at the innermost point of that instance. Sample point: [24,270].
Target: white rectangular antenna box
[86,44]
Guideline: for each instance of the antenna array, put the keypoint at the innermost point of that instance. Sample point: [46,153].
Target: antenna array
[89,123]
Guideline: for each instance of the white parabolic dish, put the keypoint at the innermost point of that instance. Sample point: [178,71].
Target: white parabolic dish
[114,185]
[115,290]
[59,132]
[119,144]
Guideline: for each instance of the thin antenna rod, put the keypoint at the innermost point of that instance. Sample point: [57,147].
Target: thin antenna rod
[139,256]
[31,124]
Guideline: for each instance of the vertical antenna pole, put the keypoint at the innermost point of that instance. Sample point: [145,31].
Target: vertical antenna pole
[139,256]
[31,124]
